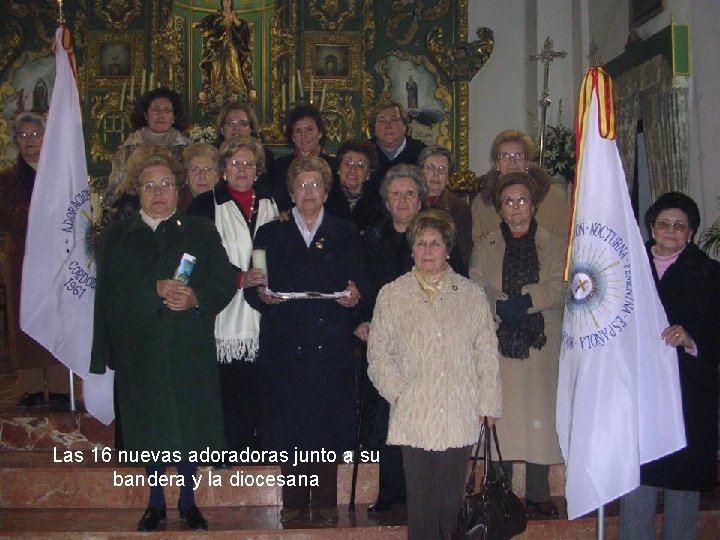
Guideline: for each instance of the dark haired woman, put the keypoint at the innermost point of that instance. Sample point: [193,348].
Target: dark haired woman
[159,118]
[305,133]
[688,283]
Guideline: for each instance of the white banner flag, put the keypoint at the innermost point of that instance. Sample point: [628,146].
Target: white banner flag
[58,285]
[618,402]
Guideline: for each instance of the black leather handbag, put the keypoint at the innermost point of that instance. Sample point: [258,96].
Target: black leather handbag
[494,512]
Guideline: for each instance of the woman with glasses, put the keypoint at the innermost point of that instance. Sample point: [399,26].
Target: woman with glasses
[305,134]
[239,206]
[38,370]
[159,118]
[520,266]
[159,330]
[349,199]
[688,283]
[315,277]
[201,171]
[388,256]
[512,151]
[438,164]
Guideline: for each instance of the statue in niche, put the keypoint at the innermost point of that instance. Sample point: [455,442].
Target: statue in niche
[227,60]
[41,104]
[412,93]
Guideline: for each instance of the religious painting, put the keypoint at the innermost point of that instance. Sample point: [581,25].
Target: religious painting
[114,57]
[26,88]
[415,82]
[642,11]
[332,59]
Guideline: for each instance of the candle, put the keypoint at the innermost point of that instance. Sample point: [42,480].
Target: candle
[312,89]
[258,260]
[142,84]
[301,95]
[132,88]
[122,96]
[151,84]
[292,92]
[283,97]
[322,96]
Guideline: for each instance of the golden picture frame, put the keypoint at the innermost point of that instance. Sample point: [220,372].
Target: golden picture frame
[333,60]
[114,57]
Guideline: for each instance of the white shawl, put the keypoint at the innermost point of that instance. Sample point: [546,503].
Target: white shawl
[237,327]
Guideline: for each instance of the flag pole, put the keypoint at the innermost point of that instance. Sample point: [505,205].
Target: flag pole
[72,390]
[601,522]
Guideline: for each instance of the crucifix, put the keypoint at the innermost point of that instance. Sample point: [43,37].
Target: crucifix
[546,56]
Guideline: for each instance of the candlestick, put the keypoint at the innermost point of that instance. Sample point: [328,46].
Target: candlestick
[122,96]
[312,89]
[132,88]
[142,84]
[301,95]
[152,80]
[292,92]
[322,96]
[283,97]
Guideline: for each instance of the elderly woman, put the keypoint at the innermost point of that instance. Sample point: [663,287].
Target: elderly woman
[688,283]
[305,133]
[512,151]
[159,118]
[387,257]
[38,370]
[160,332]
[239,207]
[201,171]
[432,355]
[307,372]
[349,199]
[438,164]
[520,266]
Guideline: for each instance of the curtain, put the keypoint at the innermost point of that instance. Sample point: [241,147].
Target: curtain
[665,121]
[627,112]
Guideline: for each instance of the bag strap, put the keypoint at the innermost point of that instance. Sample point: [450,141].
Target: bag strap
[470,485]
[488,471]
[505,477]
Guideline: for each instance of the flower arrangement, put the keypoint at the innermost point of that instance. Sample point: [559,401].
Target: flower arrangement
[710,238]
[205,134]
[559,149]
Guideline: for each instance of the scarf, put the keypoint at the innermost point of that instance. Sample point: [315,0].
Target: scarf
[431,285]
[520,267]
[237,327]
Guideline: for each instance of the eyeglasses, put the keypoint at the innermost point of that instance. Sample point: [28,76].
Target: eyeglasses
[362,165]
[238,123]
[202,171]
[309,184]
[511,156]
[421,244]
[432,169]
[237,165]
[158,110]
[410,194]
[676,226]
[30,134]
[163,185]
[516,203]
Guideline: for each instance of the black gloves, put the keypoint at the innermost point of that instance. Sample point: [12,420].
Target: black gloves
[514,310]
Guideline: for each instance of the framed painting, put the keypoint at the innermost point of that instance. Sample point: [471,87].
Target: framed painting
[332,59]
[113,57]
[642,11]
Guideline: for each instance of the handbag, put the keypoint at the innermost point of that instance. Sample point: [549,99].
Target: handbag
[494,512]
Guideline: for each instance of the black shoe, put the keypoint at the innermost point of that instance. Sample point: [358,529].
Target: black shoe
[383,505]
[151,518]
[194,518]
[36,399]
[544,508]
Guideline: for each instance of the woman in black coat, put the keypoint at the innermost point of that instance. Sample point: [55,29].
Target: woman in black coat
[306,368]
[688,283]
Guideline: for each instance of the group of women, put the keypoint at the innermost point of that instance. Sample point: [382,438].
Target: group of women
[444,353]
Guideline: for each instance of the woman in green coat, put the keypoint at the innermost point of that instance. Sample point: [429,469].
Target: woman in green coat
[158,331]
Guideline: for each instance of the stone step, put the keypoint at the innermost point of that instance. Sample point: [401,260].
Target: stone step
[263,523]
[33,480]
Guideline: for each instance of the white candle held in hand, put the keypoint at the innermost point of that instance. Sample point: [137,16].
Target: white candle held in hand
[258,260]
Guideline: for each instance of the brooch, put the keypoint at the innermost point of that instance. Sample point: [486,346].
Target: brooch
[319,243]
